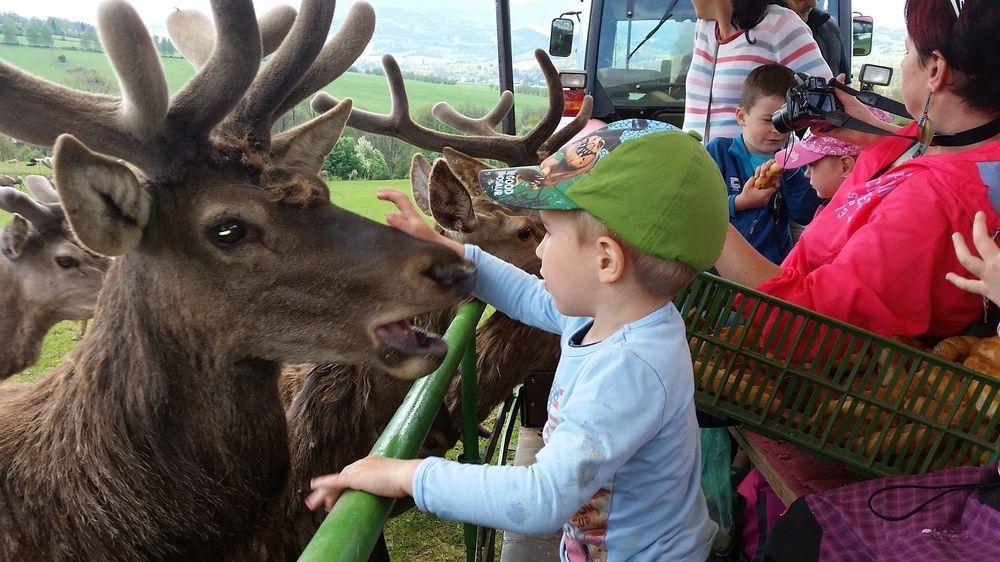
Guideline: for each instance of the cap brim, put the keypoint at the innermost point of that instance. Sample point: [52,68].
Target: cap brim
[796,158]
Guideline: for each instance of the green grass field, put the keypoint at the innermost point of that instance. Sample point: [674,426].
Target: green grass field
[412,536]
[369,92]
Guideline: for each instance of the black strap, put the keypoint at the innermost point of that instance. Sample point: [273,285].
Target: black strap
[992,482]
[871,99]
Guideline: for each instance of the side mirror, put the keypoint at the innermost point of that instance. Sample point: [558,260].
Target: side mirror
[561,37]
[864,26]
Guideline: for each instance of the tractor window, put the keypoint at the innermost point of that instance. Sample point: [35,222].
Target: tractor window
[654,76]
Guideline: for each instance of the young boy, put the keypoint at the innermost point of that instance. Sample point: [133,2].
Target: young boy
[620,469]
[762,213]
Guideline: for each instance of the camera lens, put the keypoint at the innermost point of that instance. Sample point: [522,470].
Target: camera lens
[782,120]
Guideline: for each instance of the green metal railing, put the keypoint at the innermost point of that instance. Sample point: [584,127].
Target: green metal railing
[349,533]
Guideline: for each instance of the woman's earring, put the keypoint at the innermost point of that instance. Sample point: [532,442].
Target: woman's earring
[925,127]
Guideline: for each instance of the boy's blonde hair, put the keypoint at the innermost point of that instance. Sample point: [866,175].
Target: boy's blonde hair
[656,276]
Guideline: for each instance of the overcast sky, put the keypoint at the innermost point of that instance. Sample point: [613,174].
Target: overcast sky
[534,13]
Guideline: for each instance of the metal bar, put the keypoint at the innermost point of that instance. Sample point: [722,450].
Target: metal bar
[470,432]
[349,532]
[505,61]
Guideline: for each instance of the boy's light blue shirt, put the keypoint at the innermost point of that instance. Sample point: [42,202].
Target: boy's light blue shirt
[621,440]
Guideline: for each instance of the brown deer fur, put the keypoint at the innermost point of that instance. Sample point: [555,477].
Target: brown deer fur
[163,435]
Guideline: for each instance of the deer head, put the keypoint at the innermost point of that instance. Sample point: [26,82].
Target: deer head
[449,192]
[226,234]
[55,276]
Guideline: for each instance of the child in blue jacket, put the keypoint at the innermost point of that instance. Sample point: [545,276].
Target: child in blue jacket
[762,214]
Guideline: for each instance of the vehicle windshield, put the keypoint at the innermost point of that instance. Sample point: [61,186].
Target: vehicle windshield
[656,72]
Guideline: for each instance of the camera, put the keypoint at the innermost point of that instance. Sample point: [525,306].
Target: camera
[807,104]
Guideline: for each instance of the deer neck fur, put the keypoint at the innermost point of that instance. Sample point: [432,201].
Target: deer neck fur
[144,407]
[23,327]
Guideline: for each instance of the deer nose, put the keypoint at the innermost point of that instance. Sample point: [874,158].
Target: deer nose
[453,277]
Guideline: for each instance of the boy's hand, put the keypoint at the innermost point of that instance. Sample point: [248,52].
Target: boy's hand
[411,222]
[986,267]
[753,197]
[389,478]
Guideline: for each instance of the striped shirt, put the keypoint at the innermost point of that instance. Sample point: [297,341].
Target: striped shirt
[721,67]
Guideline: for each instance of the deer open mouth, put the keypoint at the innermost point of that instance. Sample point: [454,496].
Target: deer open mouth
[400,340]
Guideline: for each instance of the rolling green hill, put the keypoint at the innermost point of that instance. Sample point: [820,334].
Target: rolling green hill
[369,92]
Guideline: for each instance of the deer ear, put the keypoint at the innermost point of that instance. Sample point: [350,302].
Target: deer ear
[451,204]
[41,189]
[420,177]
[105,205]
[466,168]
[305,146]
[14,237]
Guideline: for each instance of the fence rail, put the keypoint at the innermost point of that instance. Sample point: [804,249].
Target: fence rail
[350,531]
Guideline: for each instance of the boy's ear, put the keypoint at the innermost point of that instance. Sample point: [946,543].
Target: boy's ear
[741,117]
[847,164]
[613,260]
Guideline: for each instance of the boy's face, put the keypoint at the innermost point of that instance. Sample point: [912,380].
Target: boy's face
[828,173]
[759,133]
[569,266]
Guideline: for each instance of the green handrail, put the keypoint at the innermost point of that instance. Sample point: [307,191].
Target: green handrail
[470,433]
[350,531]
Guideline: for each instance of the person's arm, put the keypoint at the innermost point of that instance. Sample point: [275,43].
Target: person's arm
[697,85]
[800,198]
[742,263]
[600,430]
[517,294]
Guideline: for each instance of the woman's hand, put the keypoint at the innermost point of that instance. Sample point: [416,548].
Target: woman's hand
[408,220]
[388,478]
[986,267]
[859,111]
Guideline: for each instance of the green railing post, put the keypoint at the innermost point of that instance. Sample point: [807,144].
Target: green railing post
[470,432]
[349,532]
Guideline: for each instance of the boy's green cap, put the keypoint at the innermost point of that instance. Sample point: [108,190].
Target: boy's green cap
[647,181]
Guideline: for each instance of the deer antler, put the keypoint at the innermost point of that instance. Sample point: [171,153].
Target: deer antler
[257,110]
[193,33]
[514,150]
[143,126]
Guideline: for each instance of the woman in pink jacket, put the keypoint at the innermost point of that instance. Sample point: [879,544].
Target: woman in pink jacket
[877,255]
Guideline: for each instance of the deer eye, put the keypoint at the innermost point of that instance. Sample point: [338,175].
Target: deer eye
[67,262]
[228,233]
[524,233]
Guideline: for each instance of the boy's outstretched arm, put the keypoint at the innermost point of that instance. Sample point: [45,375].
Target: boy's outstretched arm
[389,478]
[520,295]
[986,267]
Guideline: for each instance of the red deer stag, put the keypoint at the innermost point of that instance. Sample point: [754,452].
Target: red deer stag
[336,411]
[46,275]
[163,436]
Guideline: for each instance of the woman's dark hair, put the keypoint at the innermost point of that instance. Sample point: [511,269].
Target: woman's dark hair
[748,13]
[967,42]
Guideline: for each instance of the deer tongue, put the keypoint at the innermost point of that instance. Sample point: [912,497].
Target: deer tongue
[403,338]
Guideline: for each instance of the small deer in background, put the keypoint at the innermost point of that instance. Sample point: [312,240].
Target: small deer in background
[46,275]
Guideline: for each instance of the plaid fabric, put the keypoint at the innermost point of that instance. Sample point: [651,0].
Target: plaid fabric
[956,526]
